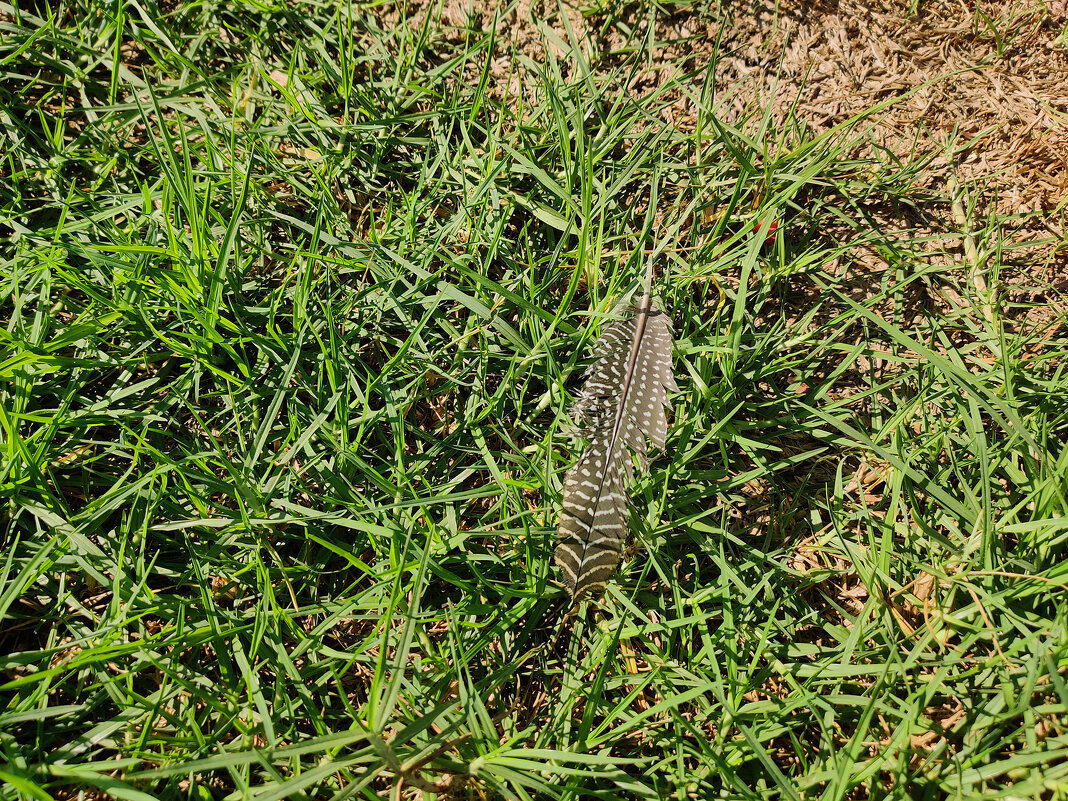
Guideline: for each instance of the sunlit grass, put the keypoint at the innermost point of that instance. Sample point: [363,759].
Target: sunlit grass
[296,303]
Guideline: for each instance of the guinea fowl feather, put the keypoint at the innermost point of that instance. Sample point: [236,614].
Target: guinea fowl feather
[622,403]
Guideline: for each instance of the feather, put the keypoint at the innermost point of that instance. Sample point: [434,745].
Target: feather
[623,403]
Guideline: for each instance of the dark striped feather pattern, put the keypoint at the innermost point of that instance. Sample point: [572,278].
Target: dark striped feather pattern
[622,403]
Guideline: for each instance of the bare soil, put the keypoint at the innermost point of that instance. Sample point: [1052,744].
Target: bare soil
[975,91]
[988,83]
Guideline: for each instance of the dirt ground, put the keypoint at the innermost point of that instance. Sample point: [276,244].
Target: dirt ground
[989,78]
[976,90]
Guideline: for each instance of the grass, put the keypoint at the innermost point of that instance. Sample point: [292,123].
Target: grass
[296,301]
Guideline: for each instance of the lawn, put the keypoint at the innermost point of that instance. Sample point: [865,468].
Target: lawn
[295,300]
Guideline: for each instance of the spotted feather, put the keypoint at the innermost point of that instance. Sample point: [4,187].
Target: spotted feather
[622,404]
